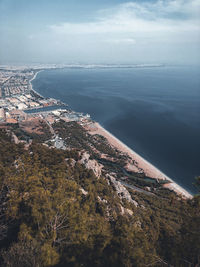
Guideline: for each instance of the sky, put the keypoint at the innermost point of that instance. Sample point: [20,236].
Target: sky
[100,31]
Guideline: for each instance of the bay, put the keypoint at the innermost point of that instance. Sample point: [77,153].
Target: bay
[155,111]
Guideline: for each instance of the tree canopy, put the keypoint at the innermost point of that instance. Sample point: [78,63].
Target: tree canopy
[55,213]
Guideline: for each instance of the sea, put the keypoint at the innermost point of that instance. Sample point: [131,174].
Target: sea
[153,110]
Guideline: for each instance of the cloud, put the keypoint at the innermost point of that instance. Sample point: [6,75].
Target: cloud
[171,9]
[143,17]
[142,31]
[128,41]
[31,36]
[159,30]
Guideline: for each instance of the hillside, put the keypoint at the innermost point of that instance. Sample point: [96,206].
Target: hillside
[71,207]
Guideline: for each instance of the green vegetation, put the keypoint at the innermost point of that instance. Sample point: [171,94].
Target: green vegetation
[76,136]
[55,212]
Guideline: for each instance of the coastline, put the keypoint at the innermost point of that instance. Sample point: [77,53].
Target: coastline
[38,94]
[148,168]
[30,83]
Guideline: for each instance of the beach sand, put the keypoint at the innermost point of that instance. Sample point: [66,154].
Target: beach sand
[143,164]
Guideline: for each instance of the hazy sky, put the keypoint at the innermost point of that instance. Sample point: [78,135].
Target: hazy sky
[100,31]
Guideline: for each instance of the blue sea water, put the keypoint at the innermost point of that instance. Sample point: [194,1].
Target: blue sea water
[155,111]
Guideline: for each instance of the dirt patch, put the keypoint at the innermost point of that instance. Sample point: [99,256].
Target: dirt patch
[33,125]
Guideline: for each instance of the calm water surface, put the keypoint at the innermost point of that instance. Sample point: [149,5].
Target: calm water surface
[155,111]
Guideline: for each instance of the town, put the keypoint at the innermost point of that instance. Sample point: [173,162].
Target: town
[21,105]
[18,100]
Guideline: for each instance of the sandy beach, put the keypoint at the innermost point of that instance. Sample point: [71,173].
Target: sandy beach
[149,169]
[30,83]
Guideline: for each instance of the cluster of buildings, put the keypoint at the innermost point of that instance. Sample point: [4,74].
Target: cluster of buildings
[14,82]
[20,103]
[25,101]
[16,94]
[68,115]
[61,114]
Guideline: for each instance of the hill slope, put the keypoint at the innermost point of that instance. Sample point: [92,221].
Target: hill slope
[64,208]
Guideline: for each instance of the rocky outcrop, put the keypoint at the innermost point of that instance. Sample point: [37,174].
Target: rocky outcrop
[121,190]
[83,191]
[125,211]
[71,161]
[15,139]
[91,164]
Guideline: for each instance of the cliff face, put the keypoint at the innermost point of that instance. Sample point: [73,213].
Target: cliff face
[73,208]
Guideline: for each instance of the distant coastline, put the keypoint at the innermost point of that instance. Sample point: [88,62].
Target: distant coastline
[148,168]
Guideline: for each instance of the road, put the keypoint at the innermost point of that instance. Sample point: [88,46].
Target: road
[137,189]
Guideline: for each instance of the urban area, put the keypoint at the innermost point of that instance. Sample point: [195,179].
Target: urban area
[20,104]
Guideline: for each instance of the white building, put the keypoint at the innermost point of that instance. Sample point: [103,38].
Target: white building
[22,106]
[2,114]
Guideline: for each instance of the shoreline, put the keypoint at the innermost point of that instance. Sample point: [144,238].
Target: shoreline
[148,168]
[30,83]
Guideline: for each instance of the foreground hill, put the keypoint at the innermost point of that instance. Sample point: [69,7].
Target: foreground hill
[65,208]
